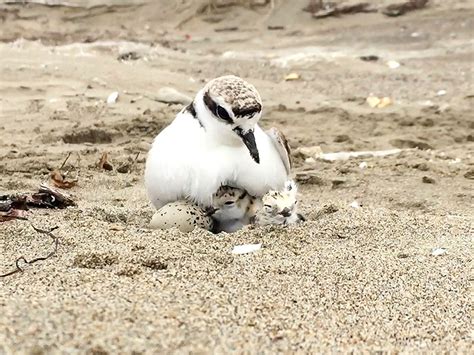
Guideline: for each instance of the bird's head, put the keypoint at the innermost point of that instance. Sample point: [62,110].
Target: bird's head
[230,107]
[281,204]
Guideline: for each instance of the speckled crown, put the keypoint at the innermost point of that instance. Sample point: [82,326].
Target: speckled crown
[239,94]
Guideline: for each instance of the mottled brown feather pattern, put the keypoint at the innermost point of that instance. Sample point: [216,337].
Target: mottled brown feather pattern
[242,96]
[283,147]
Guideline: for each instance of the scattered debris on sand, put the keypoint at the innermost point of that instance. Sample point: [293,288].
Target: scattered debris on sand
[104,163]
[379,102]
[322,9]
[36,259]
[46,197]
[395,10]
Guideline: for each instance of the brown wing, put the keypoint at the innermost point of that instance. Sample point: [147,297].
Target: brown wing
[282,146]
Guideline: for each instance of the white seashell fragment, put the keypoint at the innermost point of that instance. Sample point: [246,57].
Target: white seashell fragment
[393,64]
[246,248]
[355,204]
[112,98]
[438,251]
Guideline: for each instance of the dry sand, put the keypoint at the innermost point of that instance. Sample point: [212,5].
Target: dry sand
[347,280]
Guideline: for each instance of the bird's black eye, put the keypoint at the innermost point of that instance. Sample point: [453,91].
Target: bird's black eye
[223,114]
[229,202]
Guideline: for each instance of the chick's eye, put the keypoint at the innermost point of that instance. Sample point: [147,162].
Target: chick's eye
[229,203]
[222,113]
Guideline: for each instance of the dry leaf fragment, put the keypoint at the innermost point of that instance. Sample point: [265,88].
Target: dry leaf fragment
[58,180]
[46,197]
[104,163]
[49,197]
[376,102]
[12,214]
[12,207]
[373,101]
[8,202]
[384,102]
[292,76]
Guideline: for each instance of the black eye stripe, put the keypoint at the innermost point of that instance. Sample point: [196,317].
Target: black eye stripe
[216,109]
[248,111]
[244,194]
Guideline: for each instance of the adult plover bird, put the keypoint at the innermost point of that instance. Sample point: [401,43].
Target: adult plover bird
[216,141]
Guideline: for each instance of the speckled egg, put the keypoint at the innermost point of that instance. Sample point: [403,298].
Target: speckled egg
[183,215]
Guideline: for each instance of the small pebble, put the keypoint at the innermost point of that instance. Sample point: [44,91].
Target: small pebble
[428,180]
[341,138]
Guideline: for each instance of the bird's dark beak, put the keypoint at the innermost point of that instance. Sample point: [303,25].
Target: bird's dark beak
[286,212]
[209,211]
[249,140]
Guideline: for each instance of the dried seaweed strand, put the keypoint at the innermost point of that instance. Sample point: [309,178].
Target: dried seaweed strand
[40,258]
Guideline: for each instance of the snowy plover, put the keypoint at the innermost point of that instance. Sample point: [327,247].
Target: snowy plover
[279,207]
[216,141]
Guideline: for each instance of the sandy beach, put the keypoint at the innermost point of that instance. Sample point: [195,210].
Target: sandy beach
[384,260]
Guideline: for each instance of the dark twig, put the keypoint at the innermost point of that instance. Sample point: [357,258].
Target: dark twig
[135,161]
[65,160]
[40,258]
